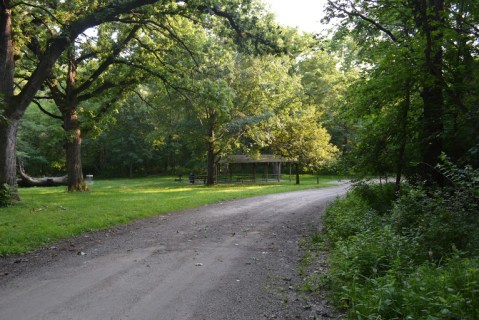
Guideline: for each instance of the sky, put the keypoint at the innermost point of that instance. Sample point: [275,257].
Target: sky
[304,14]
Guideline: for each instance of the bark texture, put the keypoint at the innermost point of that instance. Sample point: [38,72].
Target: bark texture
[9,119]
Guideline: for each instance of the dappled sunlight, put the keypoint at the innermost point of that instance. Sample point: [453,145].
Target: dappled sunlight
[60,214]
[168,190]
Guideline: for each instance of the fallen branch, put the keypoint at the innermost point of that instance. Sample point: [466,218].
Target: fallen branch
[27,181]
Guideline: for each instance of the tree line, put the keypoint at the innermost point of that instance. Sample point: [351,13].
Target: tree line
[415,96]
[193,65]
[150,86]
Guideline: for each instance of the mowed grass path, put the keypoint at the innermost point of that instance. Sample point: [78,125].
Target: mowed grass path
[47,215]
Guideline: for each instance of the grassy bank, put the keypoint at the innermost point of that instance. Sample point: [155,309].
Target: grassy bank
[46,215]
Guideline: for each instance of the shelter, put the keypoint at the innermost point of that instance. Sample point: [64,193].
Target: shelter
[244,168]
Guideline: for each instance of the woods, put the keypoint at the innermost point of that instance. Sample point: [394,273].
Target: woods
[56,30]
[387,93]
[144,88]
[162,48]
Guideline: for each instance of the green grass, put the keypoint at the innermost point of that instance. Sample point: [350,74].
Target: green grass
[47,215]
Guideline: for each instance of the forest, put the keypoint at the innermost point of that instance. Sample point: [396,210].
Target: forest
[136,88]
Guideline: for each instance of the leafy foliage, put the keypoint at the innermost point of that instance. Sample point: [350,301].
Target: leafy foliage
[411,258]
[40,144]
[414,98]
[5,198]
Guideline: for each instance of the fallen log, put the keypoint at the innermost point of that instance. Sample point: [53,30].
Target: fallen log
[27,181]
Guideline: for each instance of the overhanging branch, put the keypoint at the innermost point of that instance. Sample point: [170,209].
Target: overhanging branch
[108,61]
[356,13]
[54,116]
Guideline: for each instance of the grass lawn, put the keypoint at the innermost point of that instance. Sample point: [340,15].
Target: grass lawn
[47,215]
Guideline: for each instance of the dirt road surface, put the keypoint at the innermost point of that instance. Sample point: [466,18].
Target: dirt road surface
[233,260]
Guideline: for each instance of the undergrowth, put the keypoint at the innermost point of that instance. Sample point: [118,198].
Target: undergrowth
[415,256]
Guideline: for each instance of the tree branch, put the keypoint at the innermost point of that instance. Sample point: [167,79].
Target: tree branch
[356,13]
[143,99]
[40,8]
[108,61]
[86,56]
[104,87]
[175,37]
[157,75]
[46,112]
[58,44]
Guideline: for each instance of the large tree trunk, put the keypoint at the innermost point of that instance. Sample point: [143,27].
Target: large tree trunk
[9,119]
[430,20]
[8,136]
[72,128]
[73,153]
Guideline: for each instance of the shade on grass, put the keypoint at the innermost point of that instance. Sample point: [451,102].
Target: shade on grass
[46,215]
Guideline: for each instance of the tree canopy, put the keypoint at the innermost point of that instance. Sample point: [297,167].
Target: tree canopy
[34,36]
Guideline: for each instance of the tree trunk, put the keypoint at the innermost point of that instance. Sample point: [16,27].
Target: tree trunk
[27,181]
[429,19]
[296,165]
[9,119]
[403,134]
[210,176]
[73,153]
[72,127]
[8,136]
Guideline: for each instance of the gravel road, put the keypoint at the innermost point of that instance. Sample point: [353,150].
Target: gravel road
[232,260]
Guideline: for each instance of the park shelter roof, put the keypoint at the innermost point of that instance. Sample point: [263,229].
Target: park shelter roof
[241,158]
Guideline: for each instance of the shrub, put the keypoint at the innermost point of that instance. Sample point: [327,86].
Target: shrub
[4,195]
[379,197]
[410,258]
[443,220]
[430,292]
[349,216]
[365,259]
[445,292]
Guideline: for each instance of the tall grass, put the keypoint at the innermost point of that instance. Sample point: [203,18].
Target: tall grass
[46,215]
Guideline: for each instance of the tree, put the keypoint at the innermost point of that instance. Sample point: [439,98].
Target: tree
[221,95]
[413,43]
[61,25]
[299,137]
[326,77]
[80,84]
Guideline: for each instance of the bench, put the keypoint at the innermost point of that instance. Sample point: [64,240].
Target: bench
[201,177]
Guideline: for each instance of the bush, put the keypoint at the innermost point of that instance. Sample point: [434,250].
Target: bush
[443,220]
[409,258]
[5,193]
[429,292]
[347,217]
[379,197]
[445,292]
[371,254]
